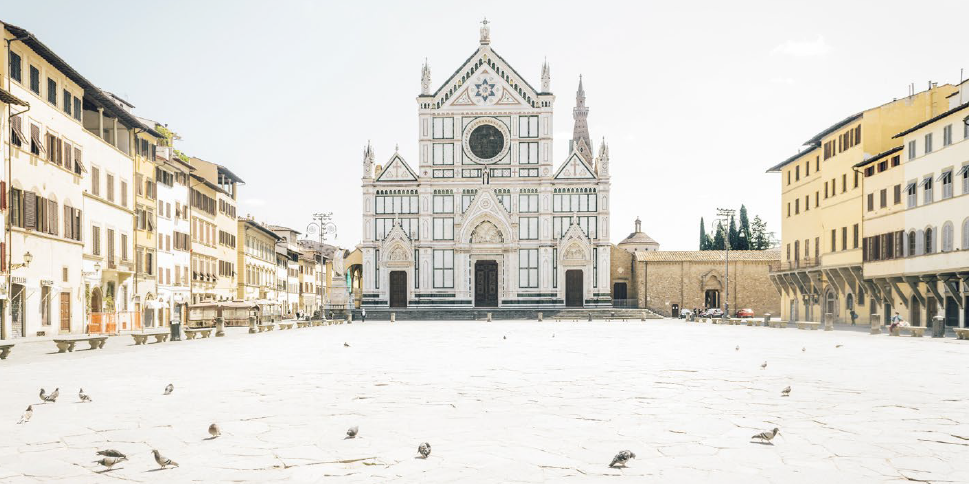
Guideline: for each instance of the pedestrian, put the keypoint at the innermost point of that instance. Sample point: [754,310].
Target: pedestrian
[363,315]
[854,316]
[896,321]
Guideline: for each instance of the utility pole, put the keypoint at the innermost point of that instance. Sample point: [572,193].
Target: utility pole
[322,225]
[723,215]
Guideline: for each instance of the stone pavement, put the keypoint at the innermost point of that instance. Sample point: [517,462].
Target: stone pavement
[529,408]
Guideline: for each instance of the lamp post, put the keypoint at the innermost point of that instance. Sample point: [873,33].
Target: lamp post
[321,225]
[723,215]
[26,263]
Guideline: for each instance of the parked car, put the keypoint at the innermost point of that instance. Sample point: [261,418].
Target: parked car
[713,313]
[745,313]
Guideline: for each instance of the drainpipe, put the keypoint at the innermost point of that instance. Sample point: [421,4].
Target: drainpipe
[7,236]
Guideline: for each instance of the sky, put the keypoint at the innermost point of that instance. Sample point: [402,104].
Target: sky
[695,99]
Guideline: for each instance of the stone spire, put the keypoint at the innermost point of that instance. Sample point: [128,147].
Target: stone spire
[602,165]
[368,161]
[485,32]
[580,131]
[425,79]
[639,225]
[546,78]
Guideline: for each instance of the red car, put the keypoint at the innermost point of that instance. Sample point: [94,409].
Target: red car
[745,313]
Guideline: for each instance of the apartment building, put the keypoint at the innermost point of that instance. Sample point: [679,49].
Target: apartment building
[220,257]
[172,175]
[257,261]
[204,249]
[916,220]
[11,105]
[289,277]
[820,275]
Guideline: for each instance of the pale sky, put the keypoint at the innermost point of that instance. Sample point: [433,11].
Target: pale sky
[695,99]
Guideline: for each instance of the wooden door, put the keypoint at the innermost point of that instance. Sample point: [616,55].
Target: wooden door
[486,284]
[573,288]
[66,311]
[398,289]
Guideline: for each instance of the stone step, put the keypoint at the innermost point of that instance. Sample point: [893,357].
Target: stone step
[480,314]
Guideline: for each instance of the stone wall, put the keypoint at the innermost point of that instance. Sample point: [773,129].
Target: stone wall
[623,270]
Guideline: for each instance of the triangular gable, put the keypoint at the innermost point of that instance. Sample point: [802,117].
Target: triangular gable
[462,100]
[397,170]
[486,207]
[574,168]
[485,62]
[397,247]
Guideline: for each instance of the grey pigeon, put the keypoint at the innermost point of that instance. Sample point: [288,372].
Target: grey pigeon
[786,392]
[162,460]
[345,345]
[27,414]
[111,453]
[83,396]
[169,389]
[43,395]
[352,432]
[110,462]
[424,449]
[766,436]
[621,458]
[838,346]
[803,349]
[504,337]
[214,430]
[737,348]
[763,365]
[52,398]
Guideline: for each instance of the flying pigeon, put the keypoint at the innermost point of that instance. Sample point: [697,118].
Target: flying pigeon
[214,431]
[111,453]
[786,392]
[162,460]
[424,450]
[110,462]
[621,458]
[766,436]
[352,432]
[27,414]
[763,365]
[53,396]
[169,389]
[83,396]
[345,345]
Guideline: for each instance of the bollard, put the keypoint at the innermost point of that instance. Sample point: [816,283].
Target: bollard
[876,324]
[766,320]
[252,325]
[590,317]
[349,319]
[829,323]
[938,326]
[393,317]
[642,317]
[489,317]
[219,327]
[539,317]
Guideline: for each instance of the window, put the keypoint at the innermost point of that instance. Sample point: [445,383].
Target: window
[77,108]
[52,91]
[443,269]
[788,209]
[897,194]
[35,80]
[555,263]
[817,199]
[911,194]
[807,168]
[946,179]
[844,182]
[797,173]
[443,228]
[788,177]
[67,102]
[95,181]
[528,268]
[466,198]
[947,237]
[528,228]
[124,194]
[560,225]
[95,240]
[443,153]
[964,171]
[965,234]
[528,203]
[871,202]
[883,198]
[856,234]
[929,241]
[387,204]
[911,150]
[797,206]
[896,160]
[528,126]
[844,238]
[15,67]
[504,198]
[928,143]
[574,202]
[927,196]
[882,166]
[443,128]
[590,225]
[947,135]
[834,240]
[443,203]
[825,189]
[528,153]
[36,146]
[856,179]
[912,246]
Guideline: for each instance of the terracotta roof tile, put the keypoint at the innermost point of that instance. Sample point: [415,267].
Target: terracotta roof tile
[707,255]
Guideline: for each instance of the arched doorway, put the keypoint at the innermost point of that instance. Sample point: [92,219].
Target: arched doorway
[398,289]
[831,306]
[573,288]
[711,298]
[97,305]
[148,313]
[915,312]
[951,312]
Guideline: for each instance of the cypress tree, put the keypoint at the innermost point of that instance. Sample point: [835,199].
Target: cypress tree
[745,241]
[704,238]
[718,238]
[732,235]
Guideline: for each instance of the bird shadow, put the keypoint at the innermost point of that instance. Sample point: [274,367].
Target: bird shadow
[348,438]
[762,443]
[421,457]
[107,470]
[211,438]
[160,469]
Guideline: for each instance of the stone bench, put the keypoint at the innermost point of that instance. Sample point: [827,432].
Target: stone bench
[915,331]
[302,324]
[283,326]
[753,322]
[67,344]
[812,325]
[203,332]
[266,327]
[777,324]
[142,338]
[962,333]
[5,349]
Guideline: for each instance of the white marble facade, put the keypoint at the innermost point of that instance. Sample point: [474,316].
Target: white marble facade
[488,218]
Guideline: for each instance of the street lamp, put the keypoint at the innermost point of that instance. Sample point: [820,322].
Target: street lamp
[322,226]
[724,215]
[27,258]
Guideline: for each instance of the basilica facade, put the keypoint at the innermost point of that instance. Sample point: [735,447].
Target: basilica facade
[485,216]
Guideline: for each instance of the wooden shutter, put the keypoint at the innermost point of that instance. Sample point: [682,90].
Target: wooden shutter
[30,210]
[60,151]
[52,215]
[78,165]
[3,257]
[3,195]
[68,163]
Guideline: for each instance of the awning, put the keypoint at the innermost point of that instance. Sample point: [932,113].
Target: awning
[962,171]
[17,127]
[943,175]
[35,137]
[924,181]
[910,186]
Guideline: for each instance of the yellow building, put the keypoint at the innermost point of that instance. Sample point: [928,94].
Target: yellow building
[820,275]
[204,249]
[257,264]
[146,229]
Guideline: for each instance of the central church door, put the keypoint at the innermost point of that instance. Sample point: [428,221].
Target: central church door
[486,284]
[398,289]
[573,288]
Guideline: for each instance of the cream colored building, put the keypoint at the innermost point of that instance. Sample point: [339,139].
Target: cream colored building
[820,273]
[257,260]
[204,250]
[288,268]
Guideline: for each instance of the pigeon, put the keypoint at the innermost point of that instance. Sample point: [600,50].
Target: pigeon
[786,392]
[345,345]
[162,460]
[352,432]
[803,349]
[424,449]
[83,396]
[52,398]
[763,365]
[766,436]
[110,462]
[27,414]
[737,348]
[504,337]
[111,453]
[43,395]
[214,431]
[621,458]
[169,389]
[838,346]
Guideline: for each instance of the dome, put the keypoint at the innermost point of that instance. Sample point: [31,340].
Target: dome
[638,240]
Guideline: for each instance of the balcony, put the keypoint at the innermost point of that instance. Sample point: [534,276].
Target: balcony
[796,264]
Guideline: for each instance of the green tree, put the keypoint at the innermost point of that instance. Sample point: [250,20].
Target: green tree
[732,235]
[745,236]
[718,238]
[704,238]
[759,239]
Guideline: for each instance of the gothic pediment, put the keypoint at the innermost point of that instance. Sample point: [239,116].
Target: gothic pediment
[574,247]
[397,247]
[485,79]
[575,168]
[396,170]
[486,208]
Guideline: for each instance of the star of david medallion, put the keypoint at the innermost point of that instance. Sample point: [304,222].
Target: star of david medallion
[486,91]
